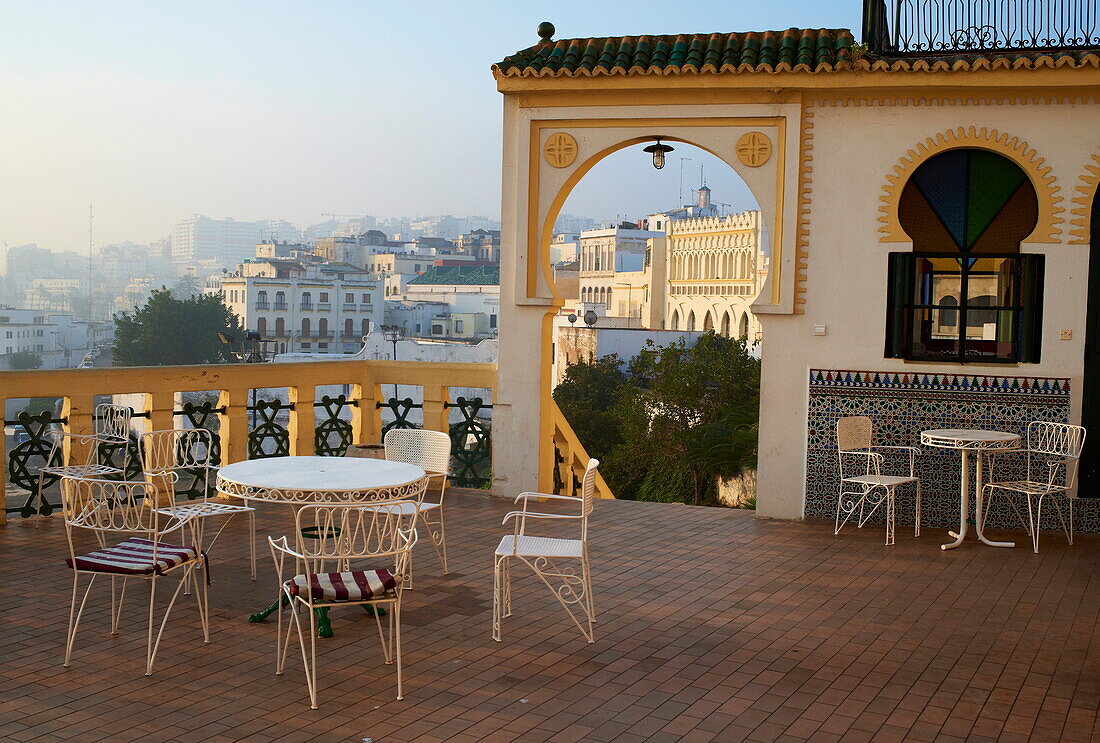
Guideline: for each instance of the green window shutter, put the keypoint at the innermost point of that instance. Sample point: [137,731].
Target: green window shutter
[1032,270]
[899,291]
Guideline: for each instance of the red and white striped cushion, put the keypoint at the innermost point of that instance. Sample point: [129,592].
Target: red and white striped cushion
[134,557]
[354,585]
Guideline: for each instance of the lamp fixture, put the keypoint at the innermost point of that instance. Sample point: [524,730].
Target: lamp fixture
[658,151]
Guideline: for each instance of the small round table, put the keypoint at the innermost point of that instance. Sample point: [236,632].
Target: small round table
[302,481]
[970,440]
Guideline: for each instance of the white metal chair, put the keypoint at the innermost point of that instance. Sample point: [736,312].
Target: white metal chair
[111,428]
[108,507]
[543,555]
[1053,451]
[168,455]
[430,451]
[344,533]
[863,486]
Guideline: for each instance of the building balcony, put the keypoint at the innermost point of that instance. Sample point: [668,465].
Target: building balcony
[314,334]
[262,306]
[901,28]
[323,306]
[279,306]
[306,306]
[366,307]
[349,307]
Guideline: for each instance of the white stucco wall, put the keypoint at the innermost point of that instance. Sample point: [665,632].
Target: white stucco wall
[854,149]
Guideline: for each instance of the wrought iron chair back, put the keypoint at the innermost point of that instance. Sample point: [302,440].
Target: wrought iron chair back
[1057,447]
[112,422]
[113,506]
[165,455]
[854,441]
[345,532]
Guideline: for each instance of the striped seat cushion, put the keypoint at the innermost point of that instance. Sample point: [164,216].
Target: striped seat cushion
[354,585]
[134,557]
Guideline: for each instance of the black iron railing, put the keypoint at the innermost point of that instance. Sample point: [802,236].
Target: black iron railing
[909,27]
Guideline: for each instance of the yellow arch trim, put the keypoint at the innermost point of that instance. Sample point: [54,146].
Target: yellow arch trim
[1082,213]
[1047,228]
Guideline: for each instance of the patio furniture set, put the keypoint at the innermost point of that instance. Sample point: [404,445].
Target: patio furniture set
[1050,454]
[356,522]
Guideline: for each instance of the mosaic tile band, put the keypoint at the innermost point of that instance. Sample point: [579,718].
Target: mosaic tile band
[901,405]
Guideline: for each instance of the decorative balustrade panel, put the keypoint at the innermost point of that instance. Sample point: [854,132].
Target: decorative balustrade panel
[471,444]
[401,410]
[28,456]
[333,434]
[970,26]
[267,436]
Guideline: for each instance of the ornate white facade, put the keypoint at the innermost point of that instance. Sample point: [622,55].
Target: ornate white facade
[716,267]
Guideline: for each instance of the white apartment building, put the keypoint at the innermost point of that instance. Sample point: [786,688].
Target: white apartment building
[456,302]
[226,241]
[305,308]
[607,252]
[60,340]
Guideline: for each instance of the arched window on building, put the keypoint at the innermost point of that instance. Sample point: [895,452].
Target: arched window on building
[261,300]
[280,300]
[305,327]
[322,327]
[965,293]
[726,324]
[708,322]
[691,320]
[349,328]
[280,328]
[743,326]
[307,301]
[261,326]
[674,321]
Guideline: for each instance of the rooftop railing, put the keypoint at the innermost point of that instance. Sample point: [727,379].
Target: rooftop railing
[922,27]
[261,410]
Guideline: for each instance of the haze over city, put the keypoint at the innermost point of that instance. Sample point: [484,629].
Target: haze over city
[280,110]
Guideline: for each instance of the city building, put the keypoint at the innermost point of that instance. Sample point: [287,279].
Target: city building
[283,249]
[465,300]
[59,339]
[716,267]
[607,253]
[200,239]
[355,249]
[305,307]
[484,245]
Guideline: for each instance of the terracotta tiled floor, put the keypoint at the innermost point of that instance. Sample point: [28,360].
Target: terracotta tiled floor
[712,626]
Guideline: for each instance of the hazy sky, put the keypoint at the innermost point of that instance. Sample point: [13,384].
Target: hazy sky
[287,110]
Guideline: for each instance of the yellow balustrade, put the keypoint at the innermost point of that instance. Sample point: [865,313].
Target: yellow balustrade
[571,458]
[232,383]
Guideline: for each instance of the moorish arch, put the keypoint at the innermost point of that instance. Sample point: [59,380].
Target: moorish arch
[1048,225]
[1083,204]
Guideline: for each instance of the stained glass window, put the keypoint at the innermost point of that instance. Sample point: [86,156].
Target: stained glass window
[966,293]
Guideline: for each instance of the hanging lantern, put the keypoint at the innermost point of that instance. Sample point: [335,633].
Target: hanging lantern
[658,151]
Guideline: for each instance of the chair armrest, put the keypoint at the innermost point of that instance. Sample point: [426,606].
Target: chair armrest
[911,449]
[536,515]
[282,545]
[524,496]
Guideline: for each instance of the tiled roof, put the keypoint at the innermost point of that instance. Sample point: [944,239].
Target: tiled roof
[793,50]
[460,276]
[811,50]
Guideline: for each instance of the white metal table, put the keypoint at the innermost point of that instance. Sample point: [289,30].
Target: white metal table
[968,440]
[300,481]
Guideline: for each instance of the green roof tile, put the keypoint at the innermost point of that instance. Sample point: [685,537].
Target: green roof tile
[459,276]
[816,49]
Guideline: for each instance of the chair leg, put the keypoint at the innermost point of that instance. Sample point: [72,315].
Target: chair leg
[437,536]
[916,524]
[381,634]
[75,614]
[202,598]
[252,542]
[116,612]
[497,597]
[305,654]
[397,645]
[890,512]
[588,587]
[152,647]
[1070,519]
[566,593]
[1035,522]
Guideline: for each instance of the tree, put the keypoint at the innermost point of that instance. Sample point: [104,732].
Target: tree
[169,331]
[24,360]
[702,401]
[674,421]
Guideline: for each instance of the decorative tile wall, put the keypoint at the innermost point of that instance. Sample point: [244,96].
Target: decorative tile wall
[903,405]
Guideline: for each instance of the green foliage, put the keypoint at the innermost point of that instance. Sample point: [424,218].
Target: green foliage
[24,360]
[169,331]
[679,418]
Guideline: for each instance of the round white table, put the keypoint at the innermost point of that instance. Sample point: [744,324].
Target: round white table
[305,480]
[968,440]
[302,481]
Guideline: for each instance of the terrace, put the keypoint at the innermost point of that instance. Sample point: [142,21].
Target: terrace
[714,626]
